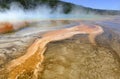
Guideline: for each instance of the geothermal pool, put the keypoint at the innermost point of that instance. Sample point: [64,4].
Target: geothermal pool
[62,49]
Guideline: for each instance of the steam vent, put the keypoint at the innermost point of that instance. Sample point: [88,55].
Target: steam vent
[43,39]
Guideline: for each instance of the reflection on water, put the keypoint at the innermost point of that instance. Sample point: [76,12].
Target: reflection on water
[113,24]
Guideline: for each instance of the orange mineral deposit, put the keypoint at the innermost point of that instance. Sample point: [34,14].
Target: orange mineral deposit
[34,54]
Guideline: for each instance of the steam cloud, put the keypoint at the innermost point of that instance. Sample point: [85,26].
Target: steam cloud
[17,13]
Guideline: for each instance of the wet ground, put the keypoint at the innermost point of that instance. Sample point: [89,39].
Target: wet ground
[72,58]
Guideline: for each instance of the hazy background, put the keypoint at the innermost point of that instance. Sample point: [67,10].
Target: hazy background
[98,4]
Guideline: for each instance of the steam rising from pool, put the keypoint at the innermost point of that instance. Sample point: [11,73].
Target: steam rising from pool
[16,12]
[41,12]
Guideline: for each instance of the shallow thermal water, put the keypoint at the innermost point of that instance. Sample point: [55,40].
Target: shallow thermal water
[43,26]
[71,58]
[111,24]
